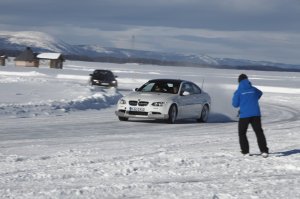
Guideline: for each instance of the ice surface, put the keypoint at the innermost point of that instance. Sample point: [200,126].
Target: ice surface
[59,137]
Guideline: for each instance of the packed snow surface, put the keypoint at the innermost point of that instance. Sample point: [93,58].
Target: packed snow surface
[60,138]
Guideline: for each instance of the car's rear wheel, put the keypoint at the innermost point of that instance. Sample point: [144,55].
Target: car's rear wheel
[123,118]
[172,114]
[204,114]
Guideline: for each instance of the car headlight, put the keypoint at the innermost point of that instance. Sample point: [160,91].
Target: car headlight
[158,103]
[114,82]
[122,101]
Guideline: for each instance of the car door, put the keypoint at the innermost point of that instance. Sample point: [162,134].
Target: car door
[198,100]
[186,102]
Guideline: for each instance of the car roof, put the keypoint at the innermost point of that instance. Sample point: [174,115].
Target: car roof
[101,70]
[177,81]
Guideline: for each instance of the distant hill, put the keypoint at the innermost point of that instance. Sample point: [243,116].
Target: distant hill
[12,43]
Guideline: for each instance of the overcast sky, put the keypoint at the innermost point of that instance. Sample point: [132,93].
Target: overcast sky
[248,29]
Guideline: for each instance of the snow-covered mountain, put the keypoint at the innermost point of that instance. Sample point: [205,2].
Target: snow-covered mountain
[96,50]
[42,42]
[36,40]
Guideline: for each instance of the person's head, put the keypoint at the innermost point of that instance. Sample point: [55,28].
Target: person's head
[157,88]
[175,89]
[242,77]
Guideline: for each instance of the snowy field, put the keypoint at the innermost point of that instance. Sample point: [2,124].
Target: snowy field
[60,138]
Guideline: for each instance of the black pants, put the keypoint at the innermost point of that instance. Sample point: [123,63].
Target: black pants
[256,125]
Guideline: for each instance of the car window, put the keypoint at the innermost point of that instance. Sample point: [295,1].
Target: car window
[196,89]
[160,87]
[187,87]
[103,75]
[175,88]
[191,88]
[148,87]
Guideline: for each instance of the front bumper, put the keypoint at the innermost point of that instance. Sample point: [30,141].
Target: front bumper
[104,84]
[146,115]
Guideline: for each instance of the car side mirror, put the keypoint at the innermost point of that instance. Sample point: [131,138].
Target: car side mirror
[136,89]
[116,76]
[185,93]
[90,74]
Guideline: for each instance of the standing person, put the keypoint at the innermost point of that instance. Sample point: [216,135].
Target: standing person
[246,97]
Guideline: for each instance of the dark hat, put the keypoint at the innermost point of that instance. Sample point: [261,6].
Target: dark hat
[242,77]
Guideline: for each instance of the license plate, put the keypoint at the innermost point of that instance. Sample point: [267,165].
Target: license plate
[136,109]
[105,84]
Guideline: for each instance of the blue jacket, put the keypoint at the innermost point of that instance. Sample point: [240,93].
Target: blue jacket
[246,97]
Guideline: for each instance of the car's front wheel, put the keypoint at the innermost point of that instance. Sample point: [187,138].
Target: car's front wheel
[172,114]
[123,118]
[204,114]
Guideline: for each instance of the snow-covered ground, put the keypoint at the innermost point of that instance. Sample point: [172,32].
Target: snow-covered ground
[59,137]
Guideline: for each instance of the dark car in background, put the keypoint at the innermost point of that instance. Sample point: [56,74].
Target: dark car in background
[103,78]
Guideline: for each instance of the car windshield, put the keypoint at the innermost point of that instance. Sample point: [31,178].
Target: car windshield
[104,75]
[160,87]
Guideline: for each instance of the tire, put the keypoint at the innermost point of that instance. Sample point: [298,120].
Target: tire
[123,118]
[172,114]
[204,114]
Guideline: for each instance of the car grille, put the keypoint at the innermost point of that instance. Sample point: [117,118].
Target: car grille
[143,103]
[137,113]
[140,103]
[132,103]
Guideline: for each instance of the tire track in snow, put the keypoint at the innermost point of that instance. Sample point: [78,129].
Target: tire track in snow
[280,114]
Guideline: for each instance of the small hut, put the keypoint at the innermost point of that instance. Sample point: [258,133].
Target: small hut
[56,59]
[2,60]
[27,58]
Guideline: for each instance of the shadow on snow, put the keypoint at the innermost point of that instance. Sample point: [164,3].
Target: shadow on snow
[213,118]
[287,153]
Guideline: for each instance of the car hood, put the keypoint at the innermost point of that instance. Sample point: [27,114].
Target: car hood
[150,96]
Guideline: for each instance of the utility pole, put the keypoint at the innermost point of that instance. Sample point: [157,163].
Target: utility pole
[132,42]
